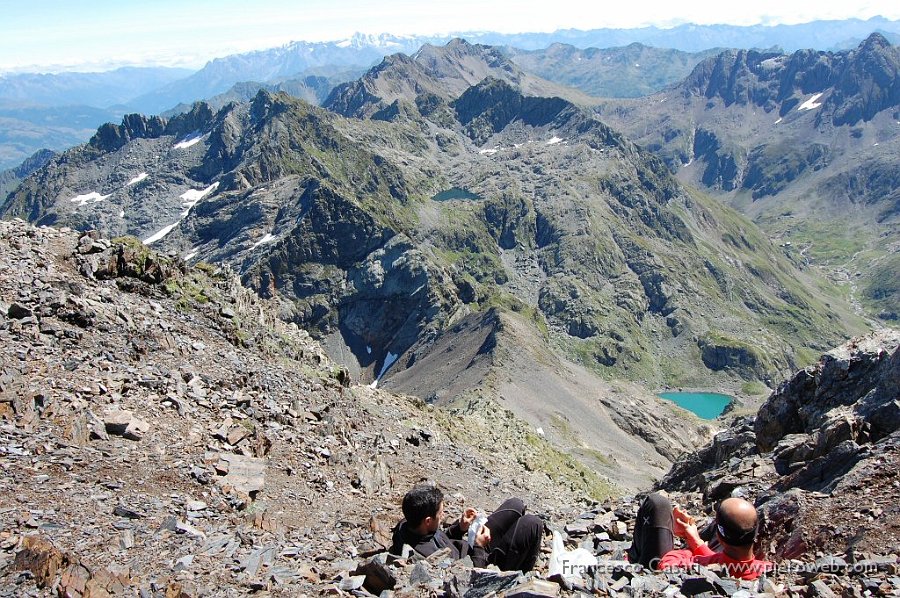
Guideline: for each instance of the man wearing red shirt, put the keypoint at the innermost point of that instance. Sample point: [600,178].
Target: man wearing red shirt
[735,526]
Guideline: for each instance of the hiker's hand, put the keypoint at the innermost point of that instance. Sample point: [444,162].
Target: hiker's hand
[685,527]
[466,519]
[484,537]
[683,523]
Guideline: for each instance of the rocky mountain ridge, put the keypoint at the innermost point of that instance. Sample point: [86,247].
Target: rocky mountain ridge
[434,72]
[805,144]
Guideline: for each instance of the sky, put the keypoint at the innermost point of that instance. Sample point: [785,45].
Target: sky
[57,35]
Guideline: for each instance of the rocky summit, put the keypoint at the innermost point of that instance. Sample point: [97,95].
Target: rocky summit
[160,428]
[164,433]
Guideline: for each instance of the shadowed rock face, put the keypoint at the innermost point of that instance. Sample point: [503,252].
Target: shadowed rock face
[865,81]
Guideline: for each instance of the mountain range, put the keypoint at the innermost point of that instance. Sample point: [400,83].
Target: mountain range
[806,144]
[498,272]
[467,242]
[67,97]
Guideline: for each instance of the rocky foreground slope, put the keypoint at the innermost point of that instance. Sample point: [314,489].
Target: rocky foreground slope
[162,433]
[160,425]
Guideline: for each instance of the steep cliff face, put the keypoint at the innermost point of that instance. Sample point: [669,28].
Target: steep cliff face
[861,82]
[822,446]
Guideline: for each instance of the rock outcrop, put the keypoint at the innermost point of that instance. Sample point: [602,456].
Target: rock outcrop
[821,448]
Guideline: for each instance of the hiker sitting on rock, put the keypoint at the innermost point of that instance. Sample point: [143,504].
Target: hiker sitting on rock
[508,538]
[735,529]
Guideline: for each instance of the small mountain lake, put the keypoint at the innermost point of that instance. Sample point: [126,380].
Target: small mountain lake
[456,193]
[705,405]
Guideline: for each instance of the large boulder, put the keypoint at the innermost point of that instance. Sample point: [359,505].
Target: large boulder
[862,375]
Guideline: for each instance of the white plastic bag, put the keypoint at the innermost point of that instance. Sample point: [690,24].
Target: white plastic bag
[570,564]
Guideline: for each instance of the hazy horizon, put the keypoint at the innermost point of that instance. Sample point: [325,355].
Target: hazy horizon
[99,35]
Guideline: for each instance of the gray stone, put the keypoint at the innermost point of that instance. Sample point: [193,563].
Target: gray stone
[17,311]
[378,576]
[420,574]
[126,539]
[374,477]
[578,528]
[186,528]
[534,588]
[693,586]
[184,563]
[820,588]
[484,582]
[354,582]
[121,511]
[262,556]
[121,422]
[245,474]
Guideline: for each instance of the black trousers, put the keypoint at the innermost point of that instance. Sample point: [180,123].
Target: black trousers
[653,535]
[515,537]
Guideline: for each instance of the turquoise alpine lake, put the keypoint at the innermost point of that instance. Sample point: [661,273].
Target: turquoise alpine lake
[706,405]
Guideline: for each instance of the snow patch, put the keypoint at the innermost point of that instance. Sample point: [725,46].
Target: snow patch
[189,200]
[137,179]
[121,213]
[188,141]
[267,239]
[344,44]
[554,140]
[810,104]
[92,196]
[688,163]
[388,362]
[162,233]
[368,349]
[540,431]
[189,256]
[779,120]
[489,152]
[192,196]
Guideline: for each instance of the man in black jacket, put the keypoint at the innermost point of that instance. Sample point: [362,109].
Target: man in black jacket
[509,538]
